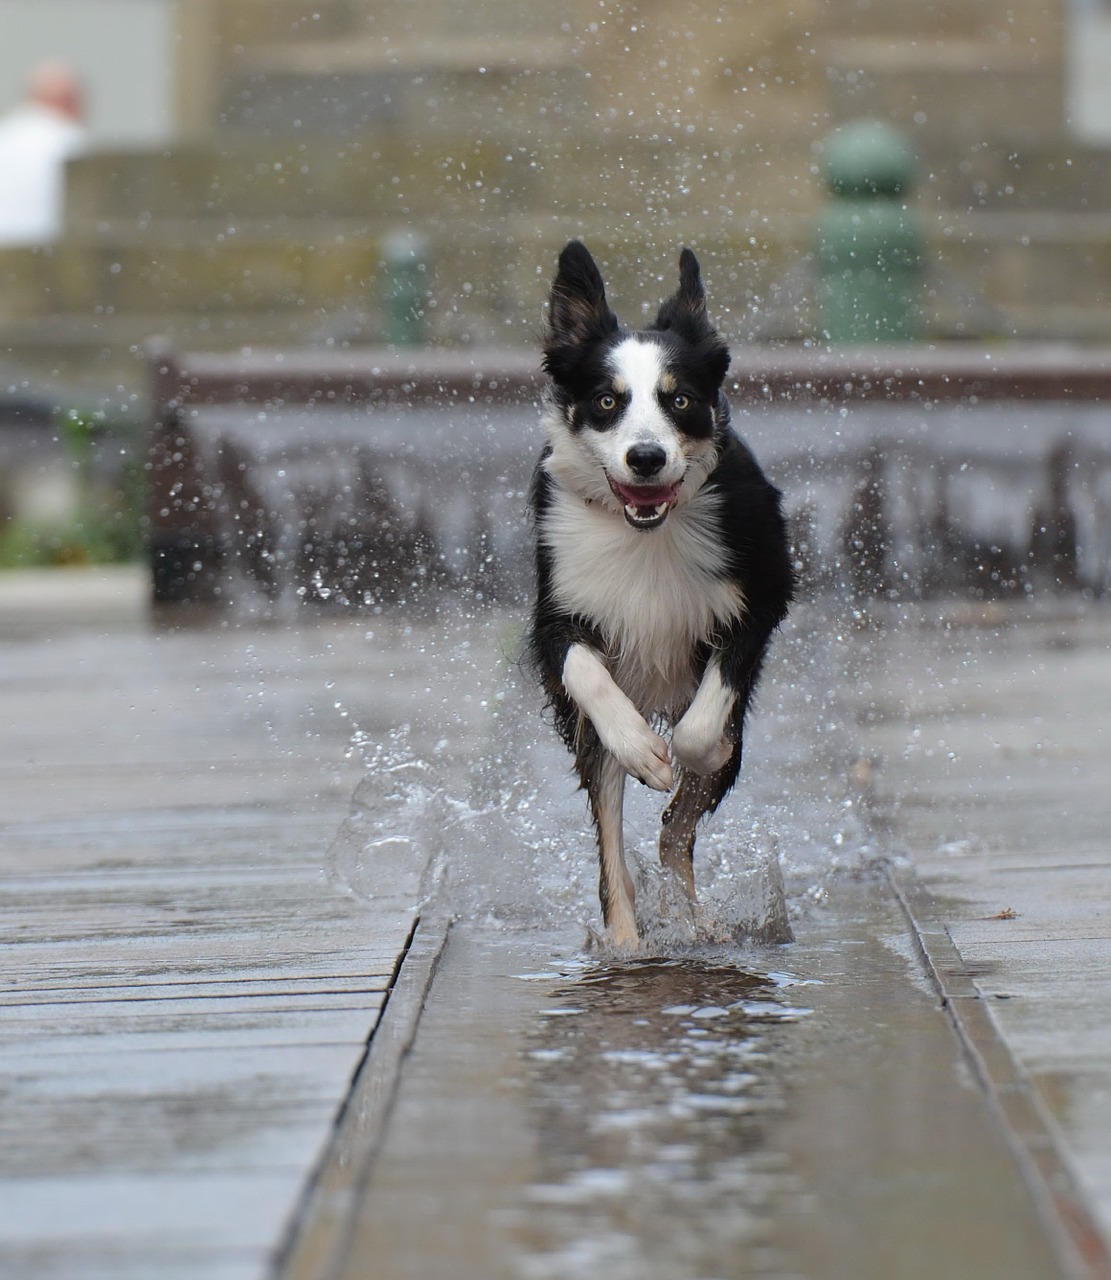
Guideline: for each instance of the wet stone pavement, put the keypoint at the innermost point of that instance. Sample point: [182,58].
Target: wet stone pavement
[230,853]
[185,992]
[989,739]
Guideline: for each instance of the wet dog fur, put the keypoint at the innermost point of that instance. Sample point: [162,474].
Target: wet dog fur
[662,564]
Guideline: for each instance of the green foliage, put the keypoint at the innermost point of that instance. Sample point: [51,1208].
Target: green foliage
[108,526]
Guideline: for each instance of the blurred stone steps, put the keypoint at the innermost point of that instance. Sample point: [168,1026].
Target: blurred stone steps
[495,132]
[344,67]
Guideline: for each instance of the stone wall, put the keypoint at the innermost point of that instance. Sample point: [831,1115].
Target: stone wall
[498,130]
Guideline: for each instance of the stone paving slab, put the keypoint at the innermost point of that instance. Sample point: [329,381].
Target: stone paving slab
[989,739]
[186,990]
[206,1218]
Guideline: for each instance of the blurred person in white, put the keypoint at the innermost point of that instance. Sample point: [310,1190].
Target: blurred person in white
[36,139]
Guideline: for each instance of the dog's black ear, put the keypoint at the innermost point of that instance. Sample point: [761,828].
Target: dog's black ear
[690,293]
[687,304]
[578,310]
[685,314]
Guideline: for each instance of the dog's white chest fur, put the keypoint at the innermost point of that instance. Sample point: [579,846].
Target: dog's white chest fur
[653,595]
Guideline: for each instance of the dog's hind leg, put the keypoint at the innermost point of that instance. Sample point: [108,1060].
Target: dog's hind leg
[615,886]
[696,795]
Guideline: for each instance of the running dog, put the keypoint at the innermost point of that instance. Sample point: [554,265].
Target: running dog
[662,564]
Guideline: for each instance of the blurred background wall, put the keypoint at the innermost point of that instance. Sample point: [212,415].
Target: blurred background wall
[252,162]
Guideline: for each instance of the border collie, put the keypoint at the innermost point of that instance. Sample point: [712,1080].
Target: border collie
[662,564]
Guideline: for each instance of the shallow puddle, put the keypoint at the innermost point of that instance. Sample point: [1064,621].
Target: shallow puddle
[799,1111]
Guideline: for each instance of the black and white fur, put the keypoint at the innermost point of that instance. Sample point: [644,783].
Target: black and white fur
[661,560]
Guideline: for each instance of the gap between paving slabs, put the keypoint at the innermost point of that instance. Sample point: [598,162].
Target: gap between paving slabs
[1029,1130]
[320,1236]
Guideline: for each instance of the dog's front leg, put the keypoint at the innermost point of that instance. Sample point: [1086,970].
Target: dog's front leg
[606,786]
[621,728]
[702,741]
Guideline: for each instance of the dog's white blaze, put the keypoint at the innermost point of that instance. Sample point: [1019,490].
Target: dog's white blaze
[654,596]
[698,740]
[639,365]
[639,368]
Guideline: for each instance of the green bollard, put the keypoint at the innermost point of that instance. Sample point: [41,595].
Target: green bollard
[404,289]
[869,247]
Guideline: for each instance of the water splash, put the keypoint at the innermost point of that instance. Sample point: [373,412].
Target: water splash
[511,846]
[489,824]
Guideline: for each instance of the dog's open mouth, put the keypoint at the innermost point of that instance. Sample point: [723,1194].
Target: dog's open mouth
[646,507]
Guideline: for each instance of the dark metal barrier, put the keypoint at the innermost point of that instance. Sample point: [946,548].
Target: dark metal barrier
[373,477]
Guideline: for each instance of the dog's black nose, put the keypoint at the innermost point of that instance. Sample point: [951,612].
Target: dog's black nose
[645,459]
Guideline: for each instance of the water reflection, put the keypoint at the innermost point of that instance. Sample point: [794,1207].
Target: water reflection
[682,1119]
[651,1087]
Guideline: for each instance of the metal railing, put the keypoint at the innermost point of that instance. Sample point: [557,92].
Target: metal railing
[373,477]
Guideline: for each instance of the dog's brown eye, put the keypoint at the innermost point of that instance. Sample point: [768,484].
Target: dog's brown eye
[680,402]
[606,402]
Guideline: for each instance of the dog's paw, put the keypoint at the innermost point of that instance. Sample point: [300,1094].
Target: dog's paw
[621,932]
[624,732]
[700,751]
[645,755]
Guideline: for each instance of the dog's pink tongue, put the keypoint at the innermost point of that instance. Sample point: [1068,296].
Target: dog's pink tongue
[648,497]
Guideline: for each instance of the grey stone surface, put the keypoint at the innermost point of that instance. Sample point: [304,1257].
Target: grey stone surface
[191,961]
[988,734]
[185,989]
